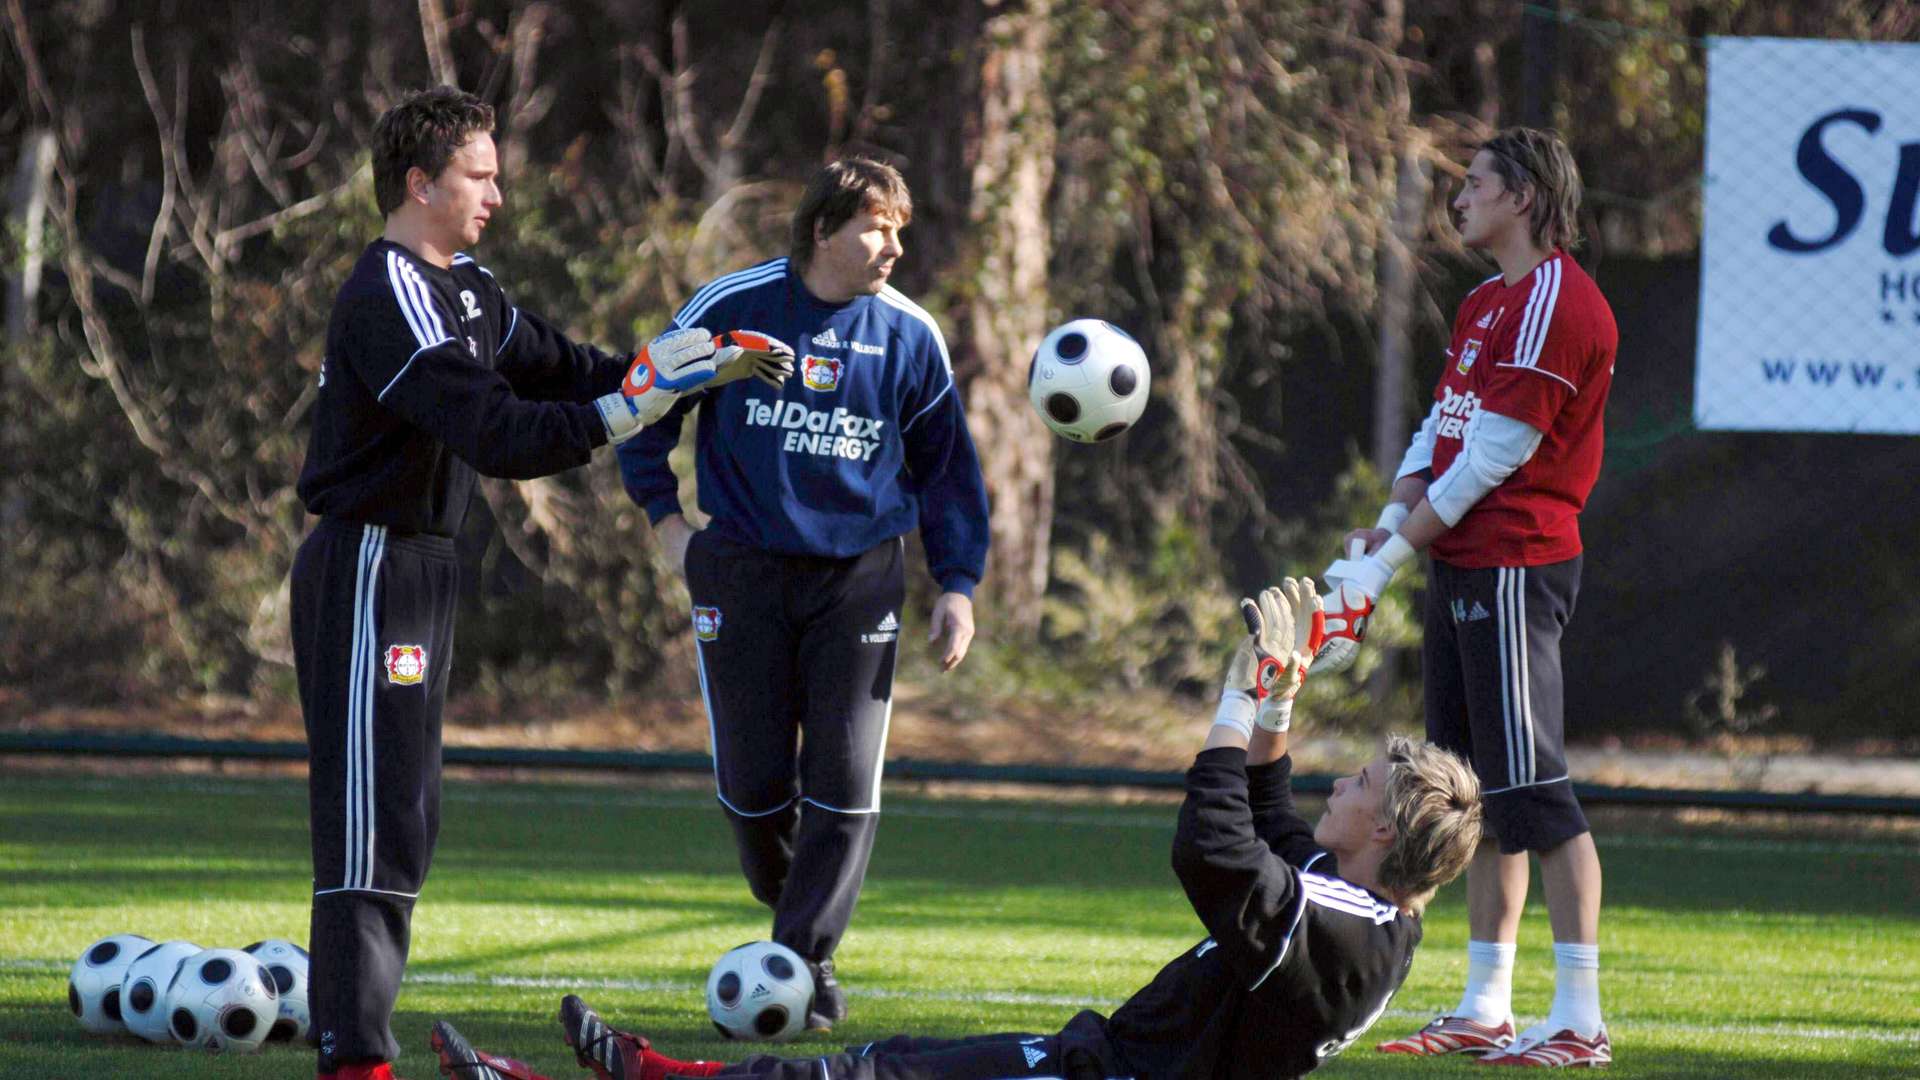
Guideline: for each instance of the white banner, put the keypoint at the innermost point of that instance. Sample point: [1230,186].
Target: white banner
[1810,261]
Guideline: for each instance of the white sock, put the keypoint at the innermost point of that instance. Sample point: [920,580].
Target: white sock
[1489,996]
[1576,989]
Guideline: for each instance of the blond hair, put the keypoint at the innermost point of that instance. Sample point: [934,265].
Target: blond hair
[1432,800]
[1528,159]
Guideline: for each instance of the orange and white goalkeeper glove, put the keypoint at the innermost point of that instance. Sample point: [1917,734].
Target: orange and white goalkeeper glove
[742,353]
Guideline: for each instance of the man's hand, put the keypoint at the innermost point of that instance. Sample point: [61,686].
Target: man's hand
[668,366]
[953,616]
[675,533]
[1354,586]
[1369,539]
[740,353]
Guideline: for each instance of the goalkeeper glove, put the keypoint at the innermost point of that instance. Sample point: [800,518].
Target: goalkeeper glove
[1354,586]
[740,353]
[668,366]
[1284,628]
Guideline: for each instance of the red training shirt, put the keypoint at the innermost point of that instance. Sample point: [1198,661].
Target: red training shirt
[1540,351]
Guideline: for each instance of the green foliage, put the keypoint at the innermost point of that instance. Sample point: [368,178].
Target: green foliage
[977,917]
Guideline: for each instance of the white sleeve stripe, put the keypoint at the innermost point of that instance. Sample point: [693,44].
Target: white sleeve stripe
[895,298]
[1531,346]
[1542,371]
[726,284]
[382,395]
[511,327]
[429,313]
[1280,956]
[904,428]
[691,314]
[1535,295]
[401,296]
[1345,897]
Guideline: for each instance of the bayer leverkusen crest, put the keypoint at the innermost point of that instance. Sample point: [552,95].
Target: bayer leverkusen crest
[820,372]
[406,664]
[706,623]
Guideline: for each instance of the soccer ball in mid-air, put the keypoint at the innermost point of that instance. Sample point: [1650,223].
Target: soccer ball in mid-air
[222,1000]
[143,994]
[760,991]
[287,963]
[93,986]
[1088,380]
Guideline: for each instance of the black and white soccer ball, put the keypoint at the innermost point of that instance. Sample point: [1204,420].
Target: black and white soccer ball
[287,963]
[143,994]
[222,1001]
[93,986]
[760,992]
[1088,380]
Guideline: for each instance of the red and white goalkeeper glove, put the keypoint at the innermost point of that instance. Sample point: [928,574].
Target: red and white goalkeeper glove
[1354,585]
[1285,627]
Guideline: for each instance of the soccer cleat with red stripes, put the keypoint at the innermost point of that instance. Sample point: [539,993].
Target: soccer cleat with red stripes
[1452,1035]
[619,1055]
[460,1061]
[1563,1049]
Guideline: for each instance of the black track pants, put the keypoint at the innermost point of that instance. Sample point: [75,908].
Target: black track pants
[796,664]
[373,639]
[1079,1052]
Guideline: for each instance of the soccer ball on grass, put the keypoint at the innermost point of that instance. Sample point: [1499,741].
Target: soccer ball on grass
[1088,380]
[760,991]
[287,964]
[143,996]
[93,986]
[222,1000]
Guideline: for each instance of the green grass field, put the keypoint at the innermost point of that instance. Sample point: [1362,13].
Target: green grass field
[1728,952]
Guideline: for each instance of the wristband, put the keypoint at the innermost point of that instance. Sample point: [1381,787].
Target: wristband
[1394,553]
[1392,515]
[1275,715]
[1236,711]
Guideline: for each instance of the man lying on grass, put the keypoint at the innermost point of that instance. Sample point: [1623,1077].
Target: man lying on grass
[1312,926]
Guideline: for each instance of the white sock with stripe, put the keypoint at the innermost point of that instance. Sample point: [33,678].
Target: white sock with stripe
[1489,996]
[1576,989]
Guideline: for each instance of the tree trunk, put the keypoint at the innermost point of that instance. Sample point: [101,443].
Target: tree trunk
[1399,277]
[1011,163]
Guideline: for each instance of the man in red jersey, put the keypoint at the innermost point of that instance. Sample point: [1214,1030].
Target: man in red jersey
[1492,487]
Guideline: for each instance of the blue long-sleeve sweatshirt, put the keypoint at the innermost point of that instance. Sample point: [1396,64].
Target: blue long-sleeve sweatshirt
[865,442]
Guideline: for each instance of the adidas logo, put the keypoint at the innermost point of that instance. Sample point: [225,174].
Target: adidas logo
[1477,613]
[759,991]
[1033,1056]
[888,630]
[1485,321]
[827,339]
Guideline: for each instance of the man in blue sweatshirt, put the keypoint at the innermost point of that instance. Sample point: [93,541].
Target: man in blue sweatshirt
[798,581]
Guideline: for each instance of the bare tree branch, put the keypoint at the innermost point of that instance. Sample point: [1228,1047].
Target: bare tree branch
[433,31]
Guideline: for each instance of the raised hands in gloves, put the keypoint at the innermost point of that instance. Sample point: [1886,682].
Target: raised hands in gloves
[1285,627]
[1354,585]
[742,353]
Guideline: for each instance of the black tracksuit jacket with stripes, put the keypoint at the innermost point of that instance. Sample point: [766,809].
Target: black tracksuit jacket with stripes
[1300,962]
[430,376]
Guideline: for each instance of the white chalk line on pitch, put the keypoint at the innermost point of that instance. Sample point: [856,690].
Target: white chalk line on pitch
[1064,1001]
[1120,818]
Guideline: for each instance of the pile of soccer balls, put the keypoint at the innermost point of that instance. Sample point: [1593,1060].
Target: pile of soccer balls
[217,1000]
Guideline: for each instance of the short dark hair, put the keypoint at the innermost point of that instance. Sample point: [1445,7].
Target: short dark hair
[423,130]
[840,190]
[1539,161]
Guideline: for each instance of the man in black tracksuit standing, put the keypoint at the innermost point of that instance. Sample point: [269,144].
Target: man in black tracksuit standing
[430,376]
[1312,927]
